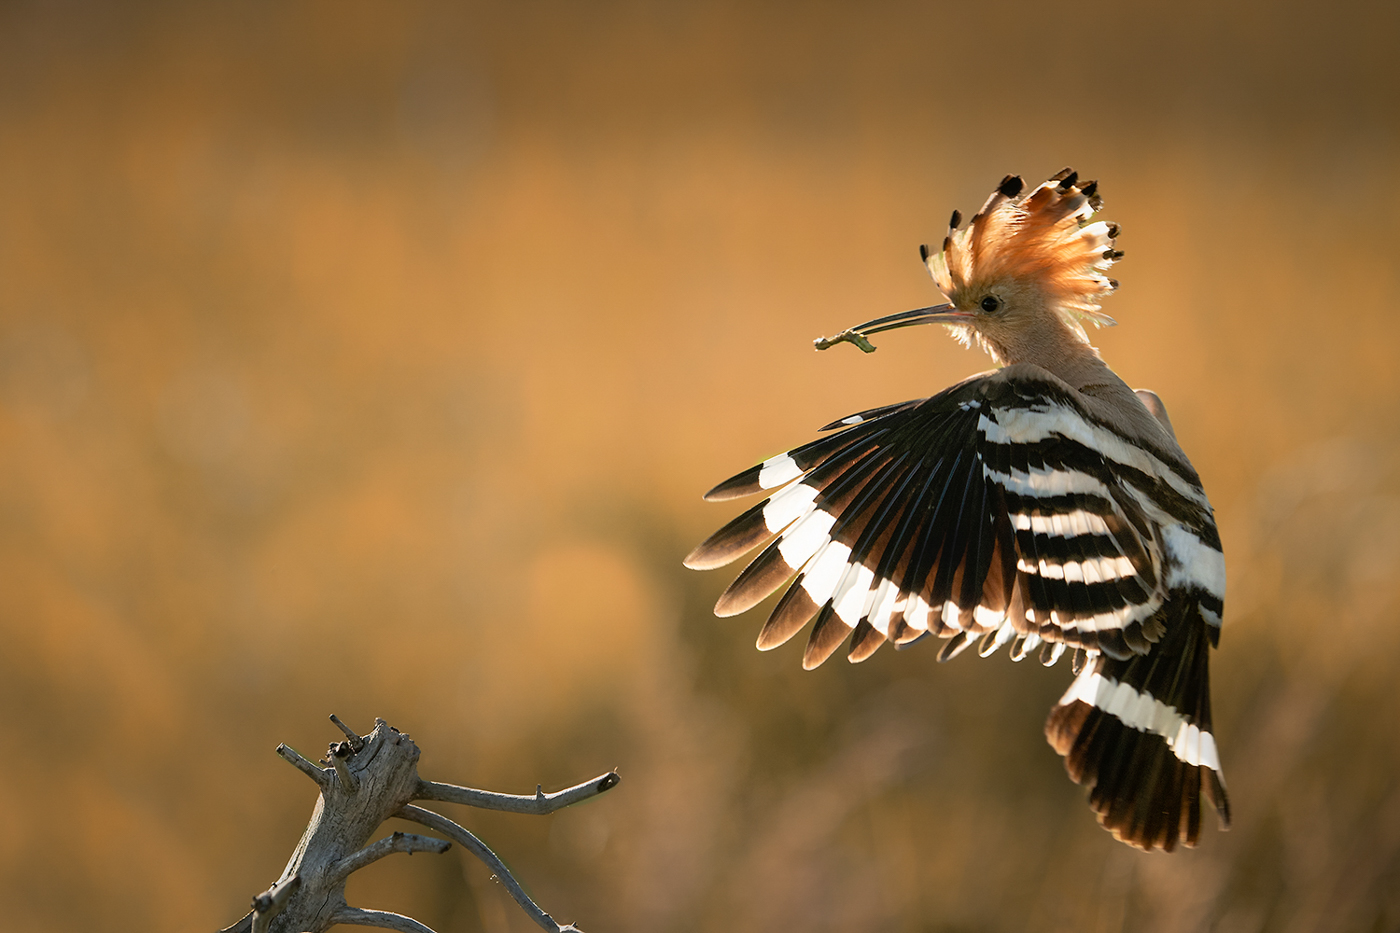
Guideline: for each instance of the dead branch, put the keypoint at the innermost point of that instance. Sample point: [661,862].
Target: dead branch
[363,781]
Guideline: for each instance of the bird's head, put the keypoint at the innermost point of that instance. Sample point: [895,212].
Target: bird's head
[1022,276]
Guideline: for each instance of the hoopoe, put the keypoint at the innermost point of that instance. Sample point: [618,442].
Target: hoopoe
[1041,504]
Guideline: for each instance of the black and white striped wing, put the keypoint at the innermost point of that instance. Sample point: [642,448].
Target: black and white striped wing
[990,509]
[1001,508]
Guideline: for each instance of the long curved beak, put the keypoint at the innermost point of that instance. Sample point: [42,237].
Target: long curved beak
[937,314]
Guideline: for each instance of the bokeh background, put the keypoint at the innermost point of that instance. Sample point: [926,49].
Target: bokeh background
[371,358]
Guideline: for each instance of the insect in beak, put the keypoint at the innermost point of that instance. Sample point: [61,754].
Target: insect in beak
[937,314]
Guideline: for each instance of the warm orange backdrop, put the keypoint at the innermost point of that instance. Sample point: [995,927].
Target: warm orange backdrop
[371,358]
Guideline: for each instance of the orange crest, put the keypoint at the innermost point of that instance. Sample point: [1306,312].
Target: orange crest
[1046,237]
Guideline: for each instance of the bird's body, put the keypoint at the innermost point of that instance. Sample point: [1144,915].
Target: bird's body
[1044,504]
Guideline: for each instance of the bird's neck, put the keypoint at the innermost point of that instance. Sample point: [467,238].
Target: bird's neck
[1062,352]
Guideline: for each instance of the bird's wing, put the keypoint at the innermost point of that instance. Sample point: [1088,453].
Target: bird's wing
[1154,404]
[998,508]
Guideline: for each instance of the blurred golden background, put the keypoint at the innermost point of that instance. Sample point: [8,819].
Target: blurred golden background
[372,358]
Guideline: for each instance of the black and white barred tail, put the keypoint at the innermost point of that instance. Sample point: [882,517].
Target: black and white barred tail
[1138,734]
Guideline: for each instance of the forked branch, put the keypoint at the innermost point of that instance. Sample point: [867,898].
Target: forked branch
[363,781]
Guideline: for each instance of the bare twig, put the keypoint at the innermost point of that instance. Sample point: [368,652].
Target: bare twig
[379,918]
[539,804]
[408,843]
[269,904]
[370,779]
[320,775]
[351,736]
[481,850]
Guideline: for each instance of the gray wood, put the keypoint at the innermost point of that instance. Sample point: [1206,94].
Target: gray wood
[364,781]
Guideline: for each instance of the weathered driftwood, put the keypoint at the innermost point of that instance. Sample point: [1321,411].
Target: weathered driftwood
[365,780]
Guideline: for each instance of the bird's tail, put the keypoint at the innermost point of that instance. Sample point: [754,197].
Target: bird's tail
[1138,734]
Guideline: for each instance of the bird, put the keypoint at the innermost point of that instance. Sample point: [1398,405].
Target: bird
[1042,504]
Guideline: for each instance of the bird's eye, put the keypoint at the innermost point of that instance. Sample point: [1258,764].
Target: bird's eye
[991,303]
